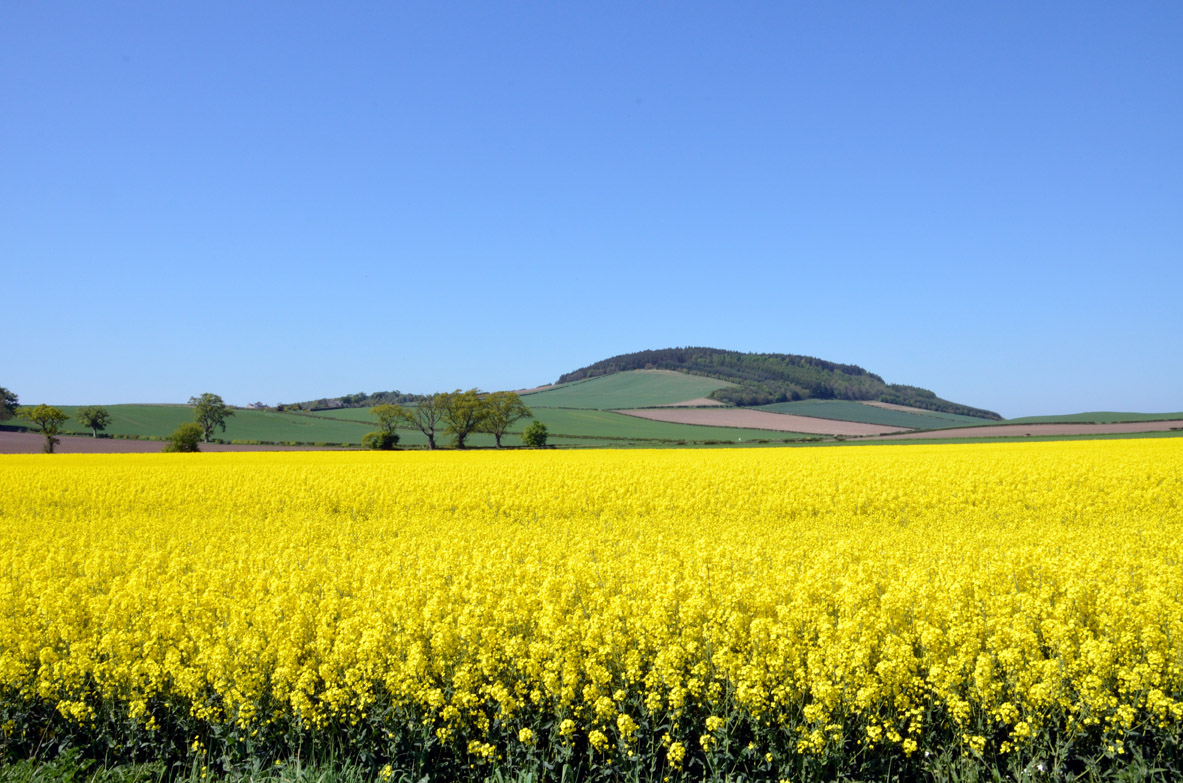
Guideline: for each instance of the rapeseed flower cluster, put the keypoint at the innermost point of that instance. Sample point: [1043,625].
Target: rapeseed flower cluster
[688,611]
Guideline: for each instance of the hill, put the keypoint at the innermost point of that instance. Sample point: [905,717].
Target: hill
[630,389]
[754,379]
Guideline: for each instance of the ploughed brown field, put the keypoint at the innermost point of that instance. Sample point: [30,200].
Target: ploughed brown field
[1020,430]
[762,420]
[32,443]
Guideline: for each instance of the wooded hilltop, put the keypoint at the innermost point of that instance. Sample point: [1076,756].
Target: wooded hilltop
[766,378]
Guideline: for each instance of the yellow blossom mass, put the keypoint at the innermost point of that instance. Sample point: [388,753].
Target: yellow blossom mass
[781,603]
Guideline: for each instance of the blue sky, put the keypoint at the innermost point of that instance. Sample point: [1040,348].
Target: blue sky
[280,201]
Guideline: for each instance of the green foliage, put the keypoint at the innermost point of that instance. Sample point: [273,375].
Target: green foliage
[48,420]
[765,378]
[464,413]
[8,404]
[185,438]
[359,400]
[502,410]
[535,435]
[557,765]
[380,441]
[388,417]
[94,417]
[209,411]
[426,416]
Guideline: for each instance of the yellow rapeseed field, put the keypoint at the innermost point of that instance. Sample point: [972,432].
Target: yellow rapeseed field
[679,610]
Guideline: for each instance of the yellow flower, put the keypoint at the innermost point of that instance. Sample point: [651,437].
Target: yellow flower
[598,739]
[862,588]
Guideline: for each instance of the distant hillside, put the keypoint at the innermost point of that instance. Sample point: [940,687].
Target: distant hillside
[626,389]
[767,378]
[359,400]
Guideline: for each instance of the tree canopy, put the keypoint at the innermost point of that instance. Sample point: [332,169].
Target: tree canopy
[388,416]
[48,420]
[210,411]
[502,410]
[425,416]
[8,404]
[463,413]
[95,418]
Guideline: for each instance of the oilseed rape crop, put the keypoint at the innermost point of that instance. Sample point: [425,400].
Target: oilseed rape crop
[766,614]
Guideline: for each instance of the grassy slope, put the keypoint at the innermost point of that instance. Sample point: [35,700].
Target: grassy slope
[633,389]
[1099,417]
[844,410]
[348,414]
[160,420]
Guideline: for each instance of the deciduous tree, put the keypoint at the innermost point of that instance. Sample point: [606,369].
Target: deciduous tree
[94,417]
[425,416]
[389,416]
[209,411]
[8,404]
[502,409]
[463,413]
[48,420]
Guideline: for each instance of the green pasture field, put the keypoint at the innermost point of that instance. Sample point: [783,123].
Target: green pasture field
[606,424]
[938,441]
[586,426]
[161,420]
[1097,417]
[574,426]
[846,410]
[568,427]
[633,389]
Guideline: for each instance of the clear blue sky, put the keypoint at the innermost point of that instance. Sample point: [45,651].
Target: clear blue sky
[283,200]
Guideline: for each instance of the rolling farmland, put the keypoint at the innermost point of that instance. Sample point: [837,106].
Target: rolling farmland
[844,410]
[624,409]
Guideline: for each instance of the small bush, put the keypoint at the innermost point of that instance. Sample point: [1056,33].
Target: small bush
[535,435]
[380,440]
[185,438]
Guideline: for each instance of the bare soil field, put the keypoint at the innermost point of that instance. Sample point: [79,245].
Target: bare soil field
[697,402]
[1020,430]
[32,443]
[762,420]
